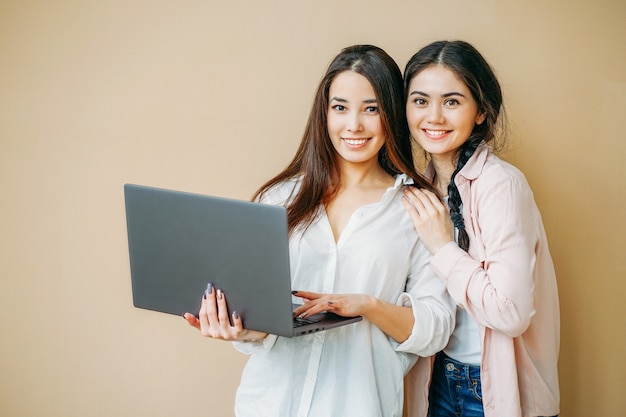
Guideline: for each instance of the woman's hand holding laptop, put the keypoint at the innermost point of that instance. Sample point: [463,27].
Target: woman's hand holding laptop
[213,321]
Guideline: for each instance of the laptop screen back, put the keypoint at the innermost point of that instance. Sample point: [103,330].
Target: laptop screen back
[179,242]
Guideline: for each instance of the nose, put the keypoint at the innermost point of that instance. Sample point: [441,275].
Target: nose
[354,122]
[435,115]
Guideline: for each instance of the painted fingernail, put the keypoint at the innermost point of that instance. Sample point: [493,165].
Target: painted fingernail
[331,302]
[235,314]
[219,294]
[294,292]
[209,288]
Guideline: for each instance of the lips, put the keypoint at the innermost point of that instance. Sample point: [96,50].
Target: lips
[435,134]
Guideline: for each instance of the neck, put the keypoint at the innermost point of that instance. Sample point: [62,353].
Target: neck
[354,175]
[444,168]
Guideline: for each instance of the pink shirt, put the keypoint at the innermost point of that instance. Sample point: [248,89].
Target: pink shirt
[508,285]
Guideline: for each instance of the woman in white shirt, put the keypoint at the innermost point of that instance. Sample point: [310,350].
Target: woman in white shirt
[353,251]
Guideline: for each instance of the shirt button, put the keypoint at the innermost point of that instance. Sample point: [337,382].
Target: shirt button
[450,367]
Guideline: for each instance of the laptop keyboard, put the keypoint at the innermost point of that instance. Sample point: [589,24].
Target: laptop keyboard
[298,322]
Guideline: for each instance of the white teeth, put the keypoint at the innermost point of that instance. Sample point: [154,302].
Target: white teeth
[435,132]
[355,141]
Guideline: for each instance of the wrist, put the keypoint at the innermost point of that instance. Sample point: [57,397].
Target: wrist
[372,305]
[438,247]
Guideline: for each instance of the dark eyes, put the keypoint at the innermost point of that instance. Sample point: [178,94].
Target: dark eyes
[368,109]
[450,102]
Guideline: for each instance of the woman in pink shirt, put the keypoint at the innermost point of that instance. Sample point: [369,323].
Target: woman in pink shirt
[489,247]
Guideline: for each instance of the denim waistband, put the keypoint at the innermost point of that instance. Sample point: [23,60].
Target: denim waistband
[460,365]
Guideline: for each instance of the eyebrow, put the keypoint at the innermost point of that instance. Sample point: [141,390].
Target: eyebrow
[446,95]
[343,100]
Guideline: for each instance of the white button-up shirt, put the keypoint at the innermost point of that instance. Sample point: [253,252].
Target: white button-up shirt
[353,370]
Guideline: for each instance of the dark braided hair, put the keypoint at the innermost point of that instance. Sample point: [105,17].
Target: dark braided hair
[474,71]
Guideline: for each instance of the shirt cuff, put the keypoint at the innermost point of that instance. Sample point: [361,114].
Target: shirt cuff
[445,259]
[405,300]
[255,346]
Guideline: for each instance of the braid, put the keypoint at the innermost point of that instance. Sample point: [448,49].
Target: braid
[454,198]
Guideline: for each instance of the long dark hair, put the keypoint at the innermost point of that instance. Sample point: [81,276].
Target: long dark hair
[472,69]
[315,160]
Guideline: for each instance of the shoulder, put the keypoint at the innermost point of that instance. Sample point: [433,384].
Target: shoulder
[487,170]
[282,193]
[497,172]
[501,188]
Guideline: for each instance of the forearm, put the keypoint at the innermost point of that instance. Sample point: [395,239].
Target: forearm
[500,297]
[395,321]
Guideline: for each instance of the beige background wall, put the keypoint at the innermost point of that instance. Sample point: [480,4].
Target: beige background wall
[212,97]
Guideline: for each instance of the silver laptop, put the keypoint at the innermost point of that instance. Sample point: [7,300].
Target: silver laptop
[178,242]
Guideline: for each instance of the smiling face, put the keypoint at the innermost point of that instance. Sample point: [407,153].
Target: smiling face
[441,112]
[354,123]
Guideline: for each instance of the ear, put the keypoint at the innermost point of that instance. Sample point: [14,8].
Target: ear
[480,118]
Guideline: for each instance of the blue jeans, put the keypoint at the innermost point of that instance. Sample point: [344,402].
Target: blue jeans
[455,390]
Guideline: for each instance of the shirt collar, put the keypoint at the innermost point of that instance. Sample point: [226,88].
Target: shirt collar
[402,179]
[471,170]
[474,166]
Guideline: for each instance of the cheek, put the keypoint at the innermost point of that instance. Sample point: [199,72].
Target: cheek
[468,124]
[412,116]
[377,127]
[332,124]
[413,122]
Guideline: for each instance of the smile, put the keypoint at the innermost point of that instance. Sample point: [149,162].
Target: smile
[435,133]
[355,142]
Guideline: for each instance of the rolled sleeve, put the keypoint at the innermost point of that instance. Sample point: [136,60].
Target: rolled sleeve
[248,348]
[434,321]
